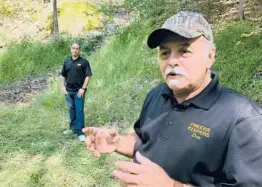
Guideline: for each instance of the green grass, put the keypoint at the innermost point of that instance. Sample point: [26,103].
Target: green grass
[123,71]
[35,153]
[239,58]
[27,58]
[21,60]
[32,137]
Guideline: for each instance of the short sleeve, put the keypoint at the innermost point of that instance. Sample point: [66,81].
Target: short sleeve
[243,162]
[63,70]
[139,123]
[88,71]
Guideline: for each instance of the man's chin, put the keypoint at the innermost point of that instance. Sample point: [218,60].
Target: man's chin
[173,84]
[177,87]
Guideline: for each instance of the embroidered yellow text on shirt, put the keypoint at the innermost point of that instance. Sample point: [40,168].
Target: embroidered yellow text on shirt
[199,130]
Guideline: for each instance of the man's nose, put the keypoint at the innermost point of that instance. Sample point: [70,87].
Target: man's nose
[174,60]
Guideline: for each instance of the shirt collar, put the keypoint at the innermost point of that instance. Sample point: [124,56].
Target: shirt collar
[75,59]
[204,99]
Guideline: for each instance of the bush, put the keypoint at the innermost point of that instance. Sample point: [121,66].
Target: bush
[154,12]
[124,69]
[239,58]
[28,57]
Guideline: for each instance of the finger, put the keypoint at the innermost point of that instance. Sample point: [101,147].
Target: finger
[125,177]
[113,132]
[96,153]
[88,143]
[92,147]
[132,185]
[130,167]
[98,139]
[90,130]
[116,139]
[90,139]
[123,184]
[143,160]
[86,130]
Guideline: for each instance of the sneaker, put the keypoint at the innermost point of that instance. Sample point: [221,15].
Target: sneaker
[68,132]
[81,138]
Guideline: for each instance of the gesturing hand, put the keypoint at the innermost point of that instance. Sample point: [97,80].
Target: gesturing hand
[101,140]
[145,174]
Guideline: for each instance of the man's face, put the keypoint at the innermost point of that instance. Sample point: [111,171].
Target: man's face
[75,50]
[184,62]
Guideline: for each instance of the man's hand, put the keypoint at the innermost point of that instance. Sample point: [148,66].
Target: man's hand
[145,174]
[101,140]
[81,92]
[64,90]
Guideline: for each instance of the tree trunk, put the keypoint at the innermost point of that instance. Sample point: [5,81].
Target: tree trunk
[55,20]
[241,10]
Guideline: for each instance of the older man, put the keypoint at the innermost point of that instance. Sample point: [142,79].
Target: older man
[191,130]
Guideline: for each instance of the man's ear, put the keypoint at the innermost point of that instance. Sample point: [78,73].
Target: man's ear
[211,57]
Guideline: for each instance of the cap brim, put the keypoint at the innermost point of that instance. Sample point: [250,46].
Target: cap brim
[158,35]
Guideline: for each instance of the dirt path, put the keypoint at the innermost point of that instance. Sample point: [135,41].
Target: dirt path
[24,92]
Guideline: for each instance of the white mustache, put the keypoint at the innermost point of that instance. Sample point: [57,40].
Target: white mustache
[176,70]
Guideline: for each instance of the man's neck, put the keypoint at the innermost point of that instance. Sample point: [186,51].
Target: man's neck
[75,57]
[183,97]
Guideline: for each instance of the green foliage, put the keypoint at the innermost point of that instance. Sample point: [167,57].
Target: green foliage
[7,9]
[124,70]
[86,16]
[11,9]
[154,12]
[239,58]
[150,9]
[90,43]
[28,57]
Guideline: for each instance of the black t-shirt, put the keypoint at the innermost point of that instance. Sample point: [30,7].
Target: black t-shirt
[75,72]
[214,139]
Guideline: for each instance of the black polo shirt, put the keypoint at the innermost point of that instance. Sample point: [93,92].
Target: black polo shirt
[75,72]
[214,139]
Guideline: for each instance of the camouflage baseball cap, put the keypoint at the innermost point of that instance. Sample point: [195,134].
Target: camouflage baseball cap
[184,23]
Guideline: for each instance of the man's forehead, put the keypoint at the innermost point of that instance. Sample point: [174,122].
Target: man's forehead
[75,45]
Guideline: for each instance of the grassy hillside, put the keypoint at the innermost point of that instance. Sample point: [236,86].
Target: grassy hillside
[239,59]
[20,60]
[35,153]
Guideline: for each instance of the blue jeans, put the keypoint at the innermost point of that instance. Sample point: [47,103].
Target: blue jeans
[75,105]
